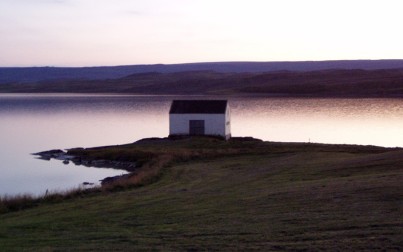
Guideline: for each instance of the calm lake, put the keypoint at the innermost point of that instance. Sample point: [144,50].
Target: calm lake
[33,123]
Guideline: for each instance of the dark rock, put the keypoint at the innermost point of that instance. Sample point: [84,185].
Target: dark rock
[50,152]
[109,180]
[47,155]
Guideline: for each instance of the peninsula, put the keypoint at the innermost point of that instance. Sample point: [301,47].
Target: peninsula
[204,193]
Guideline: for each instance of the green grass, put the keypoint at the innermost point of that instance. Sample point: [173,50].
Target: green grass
[253,196]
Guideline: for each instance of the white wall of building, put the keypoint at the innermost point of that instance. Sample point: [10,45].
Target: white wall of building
[215,124]
[228,123]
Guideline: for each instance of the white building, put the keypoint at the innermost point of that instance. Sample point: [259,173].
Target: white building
[200,117]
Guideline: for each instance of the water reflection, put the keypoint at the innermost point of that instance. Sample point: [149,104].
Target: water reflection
[351,121]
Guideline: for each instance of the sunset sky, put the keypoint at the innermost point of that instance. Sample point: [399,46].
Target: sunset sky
[124,32]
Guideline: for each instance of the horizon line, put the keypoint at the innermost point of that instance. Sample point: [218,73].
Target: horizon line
[201,62]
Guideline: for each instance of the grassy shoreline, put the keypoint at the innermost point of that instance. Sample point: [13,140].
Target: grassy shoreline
[242,194]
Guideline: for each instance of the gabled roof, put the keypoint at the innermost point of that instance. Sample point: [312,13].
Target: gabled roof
[198,107]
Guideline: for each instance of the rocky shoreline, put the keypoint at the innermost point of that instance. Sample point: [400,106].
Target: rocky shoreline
[63,156]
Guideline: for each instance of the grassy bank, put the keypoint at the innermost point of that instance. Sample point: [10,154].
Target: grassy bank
[238,195]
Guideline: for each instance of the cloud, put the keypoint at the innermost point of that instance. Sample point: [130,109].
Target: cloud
[34,2]
[50,1]
[58,1]
[134,13]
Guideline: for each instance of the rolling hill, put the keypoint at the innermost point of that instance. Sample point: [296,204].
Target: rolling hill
[321,83]
[37,74]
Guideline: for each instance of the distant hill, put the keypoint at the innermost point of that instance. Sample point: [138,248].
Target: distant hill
[322,83]
[38,74]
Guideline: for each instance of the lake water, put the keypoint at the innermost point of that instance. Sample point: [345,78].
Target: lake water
[33,123]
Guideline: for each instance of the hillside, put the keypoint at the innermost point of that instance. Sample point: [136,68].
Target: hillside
[324,83]
[238,195]
[38,74]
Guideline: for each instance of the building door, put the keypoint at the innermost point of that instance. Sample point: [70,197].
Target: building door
[196,127]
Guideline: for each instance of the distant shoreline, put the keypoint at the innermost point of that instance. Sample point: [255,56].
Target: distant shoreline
[337,83]
[241,95]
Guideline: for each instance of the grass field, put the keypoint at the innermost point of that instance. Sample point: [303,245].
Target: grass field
[239,195]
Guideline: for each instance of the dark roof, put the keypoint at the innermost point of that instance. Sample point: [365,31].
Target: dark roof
[198,107]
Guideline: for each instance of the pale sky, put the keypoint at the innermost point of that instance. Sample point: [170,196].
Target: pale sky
[125,32]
